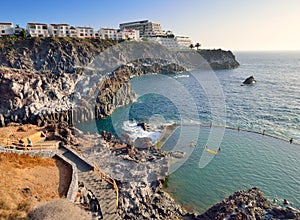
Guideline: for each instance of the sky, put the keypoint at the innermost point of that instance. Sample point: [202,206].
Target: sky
[238,25]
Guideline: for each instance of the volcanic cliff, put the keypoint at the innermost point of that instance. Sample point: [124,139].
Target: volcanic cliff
[44,80]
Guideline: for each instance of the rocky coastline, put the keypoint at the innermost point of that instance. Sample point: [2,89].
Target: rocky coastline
[57,82]
[141,174]
[46,80]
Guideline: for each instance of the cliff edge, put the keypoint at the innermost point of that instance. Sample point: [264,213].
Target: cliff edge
[45,80]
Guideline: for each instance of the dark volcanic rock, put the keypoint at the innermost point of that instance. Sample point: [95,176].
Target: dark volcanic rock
[50,80]
[249,204]
[219,59]
[249,80]
[56,55]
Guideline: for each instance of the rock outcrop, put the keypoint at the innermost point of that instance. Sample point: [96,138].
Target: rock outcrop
[141,175]
[219,59]
[249,80]
[55,55]
[249,204]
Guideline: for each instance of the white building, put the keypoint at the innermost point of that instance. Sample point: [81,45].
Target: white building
[183,42]
[145,27]
[59,30]
[130,34]
[169,43]
[108,33]
[85,32]
[6,29]
[73,32]
[177,43]
[115,34]
[37,29]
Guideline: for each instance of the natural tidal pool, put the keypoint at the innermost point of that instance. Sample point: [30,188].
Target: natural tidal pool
[246,160]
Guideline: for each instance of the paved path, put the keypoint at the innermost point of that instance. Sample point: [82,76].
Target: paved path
[103,191]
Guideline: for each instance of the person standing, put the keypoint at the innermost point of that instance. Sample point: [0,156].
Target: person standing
[95,207]
[29,143]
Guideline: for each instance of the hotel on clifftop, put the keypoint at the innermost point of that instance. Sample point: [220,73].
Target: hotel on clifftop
[136,30]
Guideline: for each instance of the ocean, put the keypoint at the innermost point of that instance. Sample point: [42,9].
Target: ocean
[216,99]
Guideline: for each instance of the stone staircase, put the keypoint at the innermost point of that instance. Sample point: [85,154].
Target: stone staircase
[103,191]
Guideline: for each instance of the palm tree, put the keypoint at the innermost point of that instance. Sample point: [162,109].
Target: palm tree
[197,45]
[191,46]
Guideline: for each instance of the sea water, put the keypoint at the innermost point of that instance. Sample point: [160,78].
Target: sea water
[271,106]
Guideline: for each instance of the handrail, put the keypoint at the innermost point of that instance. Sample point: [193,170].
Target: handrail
[104,177]
[109,180]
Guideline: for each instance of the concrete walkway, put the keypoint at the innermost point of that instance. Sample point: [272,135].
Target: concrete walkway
[103,191]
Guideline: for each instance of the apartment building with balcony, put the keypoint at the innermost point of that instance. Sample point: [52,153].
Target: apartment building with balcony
[108,33]
[183,42]
[145,28]
[37,29]
[85,32]
[176,43]
[6,29]
[59,30]
[130,34]
[115,34]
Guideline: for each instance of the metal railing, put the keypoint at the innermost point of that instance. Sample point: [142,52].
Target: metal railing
[109,180]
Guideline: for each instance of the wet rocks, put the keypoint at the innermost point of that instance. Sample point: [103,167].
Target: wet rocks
[143,143]
[249,80]
[176,154]
[249,204]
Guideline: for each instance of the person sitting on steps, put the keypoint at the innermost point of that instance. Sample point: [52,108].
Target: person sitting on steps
[21,142]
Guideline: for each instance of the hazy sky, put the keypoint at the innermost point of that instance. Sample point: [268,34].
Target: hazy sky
[227,24]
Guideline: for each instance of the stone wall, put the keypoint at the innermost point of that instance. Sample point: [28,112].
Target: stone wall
[42,153]
[73,188]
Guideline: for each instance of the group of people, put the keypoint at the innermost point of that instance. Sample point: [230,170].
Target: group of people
[88,200]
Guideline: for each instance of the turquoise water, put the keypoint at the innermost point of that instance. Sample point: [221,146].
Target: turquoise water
[246,159]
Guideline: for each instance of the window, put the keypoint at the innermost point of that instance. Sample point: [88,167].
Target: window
[39,27]
[3,31]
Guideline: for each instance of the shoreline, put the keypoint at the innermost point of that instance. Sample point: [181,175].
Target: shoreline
[144,163]
[141,190]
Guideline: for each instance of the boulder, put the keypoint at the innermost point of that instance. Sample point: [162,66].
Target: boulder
[249,80]
[144,126]
[176,154]
[143,143]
